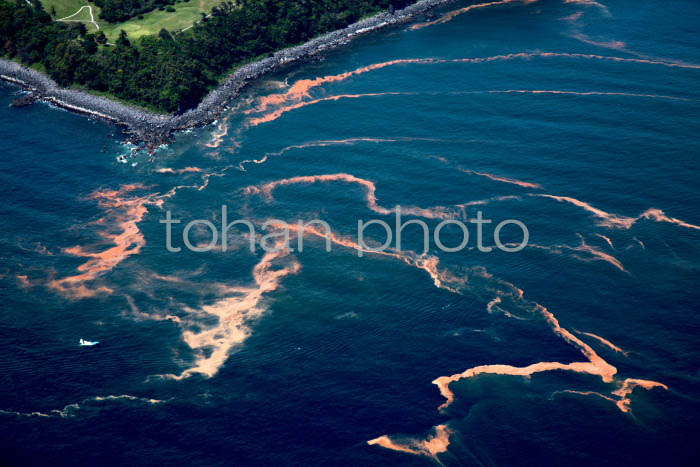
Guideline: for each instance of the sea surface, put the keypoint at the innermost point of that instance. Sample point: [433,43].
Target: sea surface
[579,119]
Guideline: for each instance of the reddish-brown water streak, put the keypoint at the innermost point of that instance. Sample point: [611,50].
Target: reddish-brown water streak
[452,14]
[124,212]
[438,212]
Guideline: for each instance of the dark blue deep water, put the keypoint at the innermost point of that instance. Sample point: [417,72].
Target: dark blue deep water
[579,119]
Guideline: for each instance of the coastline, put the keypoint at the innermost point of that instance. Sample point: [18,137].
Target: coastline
[152,129]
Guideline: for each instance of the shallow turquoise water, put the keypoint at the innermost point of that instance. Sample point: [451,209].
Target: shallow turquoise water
[301,358]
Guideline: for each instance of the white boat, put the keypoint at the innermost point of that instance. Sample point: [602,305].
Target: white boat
[83,342]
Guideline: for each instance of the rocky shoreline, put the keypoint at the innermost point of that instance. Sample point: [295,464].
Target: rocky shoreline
[150,130]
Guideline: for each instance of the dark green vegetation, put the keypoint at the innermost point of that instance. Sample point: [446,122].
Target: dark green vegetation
[121,10]
[164,72]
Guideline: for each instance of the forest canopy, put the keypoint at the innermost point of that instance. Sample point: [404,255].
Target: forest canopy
[165,72]
[121,10]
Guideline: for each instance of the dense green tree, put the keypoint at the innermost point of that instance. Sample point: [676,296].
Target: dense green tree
[167,73]
[123,39]
[90,43]
[165,35]
[100,37]
[120,10]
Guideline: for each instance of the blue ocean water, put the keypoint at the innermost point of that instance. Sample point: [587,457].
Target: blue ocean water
[578,119]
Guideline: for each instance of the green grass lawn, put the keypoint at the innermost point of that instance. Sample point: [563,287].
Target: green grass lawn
[185,14]
[68,7]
